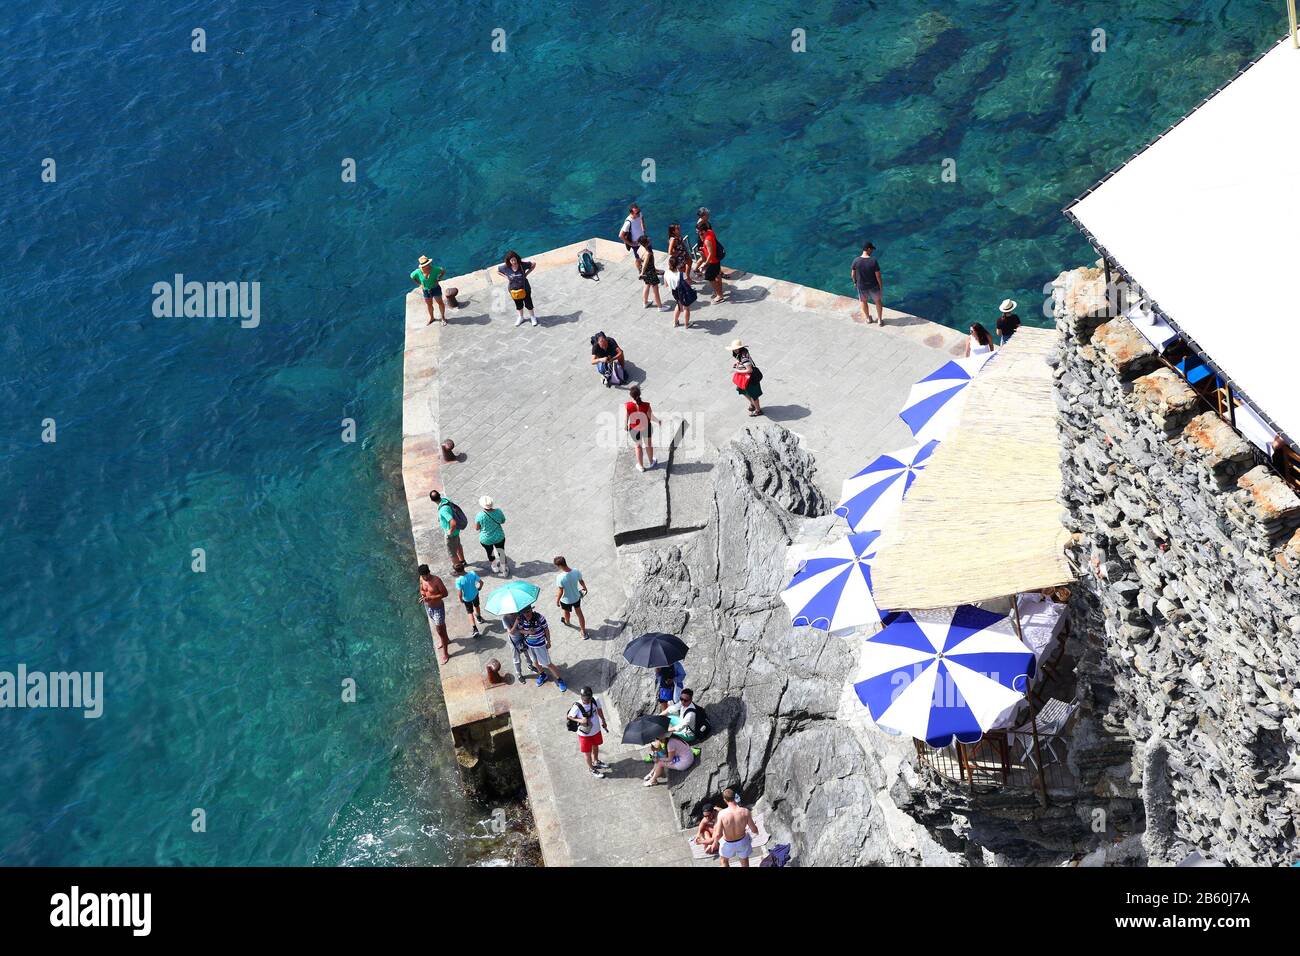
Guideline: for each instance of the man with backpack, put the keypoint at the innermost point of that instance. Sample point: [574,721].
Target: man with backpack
[607,356]
[453,521]
[632,230]
[588,720]
[690,722]
[711,253]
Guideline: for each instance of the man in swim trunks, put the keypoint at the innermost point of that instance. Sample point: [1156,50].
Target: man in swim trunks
[432,591]
[737,829]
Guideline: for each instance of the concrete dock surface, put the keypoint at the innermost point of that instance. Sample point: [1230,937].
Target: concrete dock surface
[536,429]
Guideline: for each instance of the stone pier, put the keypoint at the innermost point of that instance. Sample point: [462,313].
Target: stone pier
[535,428]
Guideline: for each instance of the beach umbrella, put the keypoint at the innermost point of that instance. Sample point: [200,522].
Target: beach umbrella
[646,728]
[872,496]
[945,674]
[655,650]
[935,403]
[832,589]
[512,597]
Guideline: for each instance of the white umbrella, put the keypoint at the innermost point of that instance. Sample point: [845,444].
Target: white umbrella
[934,404]
[872,496]
[832,589]
[944,675]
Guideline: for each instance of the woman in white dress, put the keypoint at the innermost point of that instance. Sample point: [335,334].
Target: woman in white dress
[979,341]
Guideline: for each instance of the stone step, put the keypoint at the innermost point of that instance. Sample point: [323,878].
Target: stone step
[690,485]
[640,499]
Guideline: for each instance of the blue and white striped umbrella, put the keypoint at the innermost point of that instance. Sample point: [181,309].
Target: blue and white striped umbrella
[832,590]
[935,403]
[939,675]
[872,496]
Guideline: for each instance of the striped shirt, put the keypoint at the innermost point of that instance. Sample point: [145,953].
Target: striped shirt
[534,629]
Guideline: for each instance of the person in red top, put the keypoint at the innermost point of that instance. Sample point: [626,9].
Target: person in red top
[639,421]
[709,252]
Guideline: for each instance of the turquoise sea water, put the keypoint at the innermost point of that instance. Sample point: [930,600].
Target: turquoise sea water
[223,688]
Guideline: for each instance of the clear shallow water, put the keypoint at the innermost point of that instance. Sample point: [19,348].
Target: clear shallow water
[223,689]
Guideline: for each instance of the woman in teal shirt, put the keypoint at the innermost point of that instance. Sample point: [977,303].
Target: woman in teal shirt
[491,535]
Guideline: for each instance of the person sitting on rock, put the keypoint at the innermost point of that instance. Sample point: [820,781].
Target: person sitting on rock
[706,834]
[668,753]
[683,717]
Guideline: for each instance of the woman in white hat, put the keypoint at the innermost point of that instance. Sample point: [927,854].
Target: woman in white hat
[1008,321]
[491,535]
[746,376]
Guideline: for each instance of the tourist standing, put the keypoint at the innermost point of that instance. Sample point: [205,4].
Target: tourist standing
[570,590]
[428,276]
[737,829]
[979,341]
[639,421]
[711,256]
[516,272]
[677,247]
[865,273]
[668,753]
[633,231]
[649,275]
[518,647]
[607,356]
[452,520]
[1008,321]
[590,718]
[537,636]
[468,584]
[680,286]
[432,591]
[745,375]
[491,535]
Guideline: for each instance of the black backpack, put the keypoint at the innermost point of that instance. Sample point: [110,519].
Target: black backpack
[702,726]
[571,725]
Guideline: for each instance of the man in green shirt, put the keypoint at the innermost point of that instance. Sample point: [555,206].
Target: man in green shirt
[451,518]
[427,276]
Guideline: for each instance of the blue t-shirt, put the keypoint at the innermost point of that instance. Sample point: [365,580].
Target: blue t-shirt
[468,584]
[568,581]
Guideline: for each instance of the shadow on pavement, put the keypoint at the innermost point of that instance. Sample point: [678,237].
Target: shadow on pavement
[786,413]
[714,326]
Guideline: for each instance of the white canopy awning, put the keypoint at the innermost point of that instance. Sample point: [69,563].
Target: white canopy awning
[1206,220]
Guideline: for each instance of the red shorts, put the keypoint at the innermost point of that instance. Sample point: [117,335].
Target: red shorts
[586,743]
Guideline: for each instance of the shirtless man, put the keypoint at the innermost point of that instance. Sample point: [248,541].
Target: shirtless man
[432,591]
[735,826]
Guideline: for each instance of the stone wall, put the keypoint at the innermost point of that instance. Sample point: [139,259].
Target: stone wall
[1188,600]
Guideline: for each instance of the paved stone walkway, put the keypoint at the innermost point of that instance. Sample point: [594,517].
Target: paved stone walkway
[538,432]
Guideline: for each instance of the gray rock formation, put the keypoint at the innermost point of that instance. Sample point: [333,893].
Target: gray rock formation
[790,734]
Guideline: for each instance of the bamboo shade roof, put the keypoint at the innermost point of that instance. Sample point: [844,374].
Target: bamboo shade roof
[982,521]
